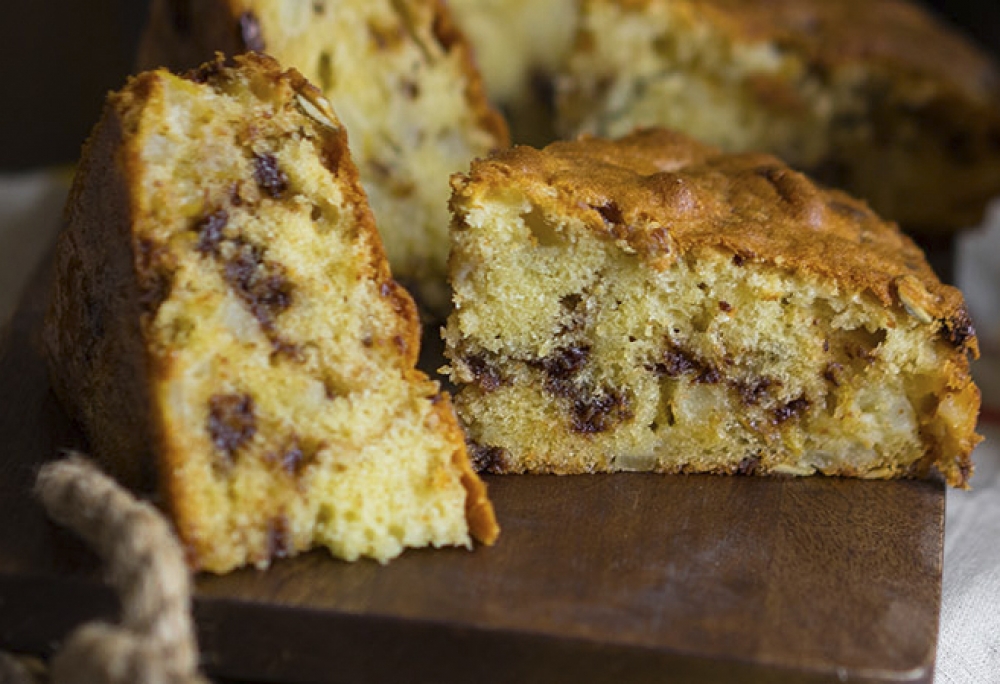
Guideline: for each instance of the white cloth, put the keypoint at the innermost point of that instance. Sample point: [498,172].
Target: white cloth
[969,643]
[969,640]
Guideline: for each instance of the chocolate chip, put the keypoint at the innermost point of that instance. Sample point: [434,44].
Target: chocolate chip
[487,375]
[750,465]
[958,329]
[601,412]
[296,455]
[832,373]
[488,459]
[708,375]
[154,280]
[260,283]
[269,177]
[561,366]
[725,306]
[235,194]
[571,301]
[792,409]
[250,33]
[231,422]
[739,260]
[291,459]
[410,88]
[283,348]
[210,230]
[204,73]
[754,393]
[676,362]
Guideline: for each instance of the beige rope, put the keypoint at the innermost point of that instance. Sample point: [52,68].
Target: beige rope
[155,643]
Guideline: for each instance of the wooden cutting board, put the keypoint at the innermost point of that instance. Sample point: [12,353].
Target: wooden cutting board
[624,578]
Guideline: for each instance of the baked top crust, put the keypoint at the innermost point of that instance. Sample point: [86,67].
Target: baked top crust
[894,34]
[664,193]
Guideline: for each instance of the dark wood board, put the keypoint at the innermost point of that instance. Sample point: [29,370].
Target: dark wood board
[624,578]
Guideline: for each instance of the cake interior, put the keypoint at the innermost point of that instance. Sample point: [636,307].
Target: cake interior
[687,66]
[281,349]
[577,353]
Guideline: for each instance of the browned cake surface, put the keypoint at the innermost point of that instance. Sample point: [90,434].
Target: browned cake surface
[663,193]
[224,318]
[896,33]
[402,79]
[873,96]
[654,304]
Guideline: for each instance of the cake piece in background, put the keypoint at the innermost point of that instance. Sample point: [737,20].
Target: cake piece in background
[873,96]
[652,304]
[224,320]
[519,47]
[401,78]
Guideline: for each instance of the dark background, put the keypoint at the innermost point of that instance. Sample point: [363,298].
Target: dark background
[59,58]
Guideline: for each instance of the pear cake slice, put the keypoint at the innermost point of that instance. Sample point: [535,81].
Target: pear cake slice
[224,319]
[652,304]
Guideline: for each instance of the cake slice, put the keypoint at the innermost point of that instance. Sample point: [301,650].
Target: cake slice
[872,96]
[652,304]
[224,320]
[402,80]
[520,46]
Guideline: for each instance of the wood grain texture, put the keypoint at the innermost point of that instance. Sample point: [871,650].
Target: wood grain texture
[612,578]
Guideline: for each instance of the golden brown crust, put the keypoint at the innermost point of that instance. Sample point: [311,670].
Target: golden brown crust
[894,34]
[664,194]
[94,353]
